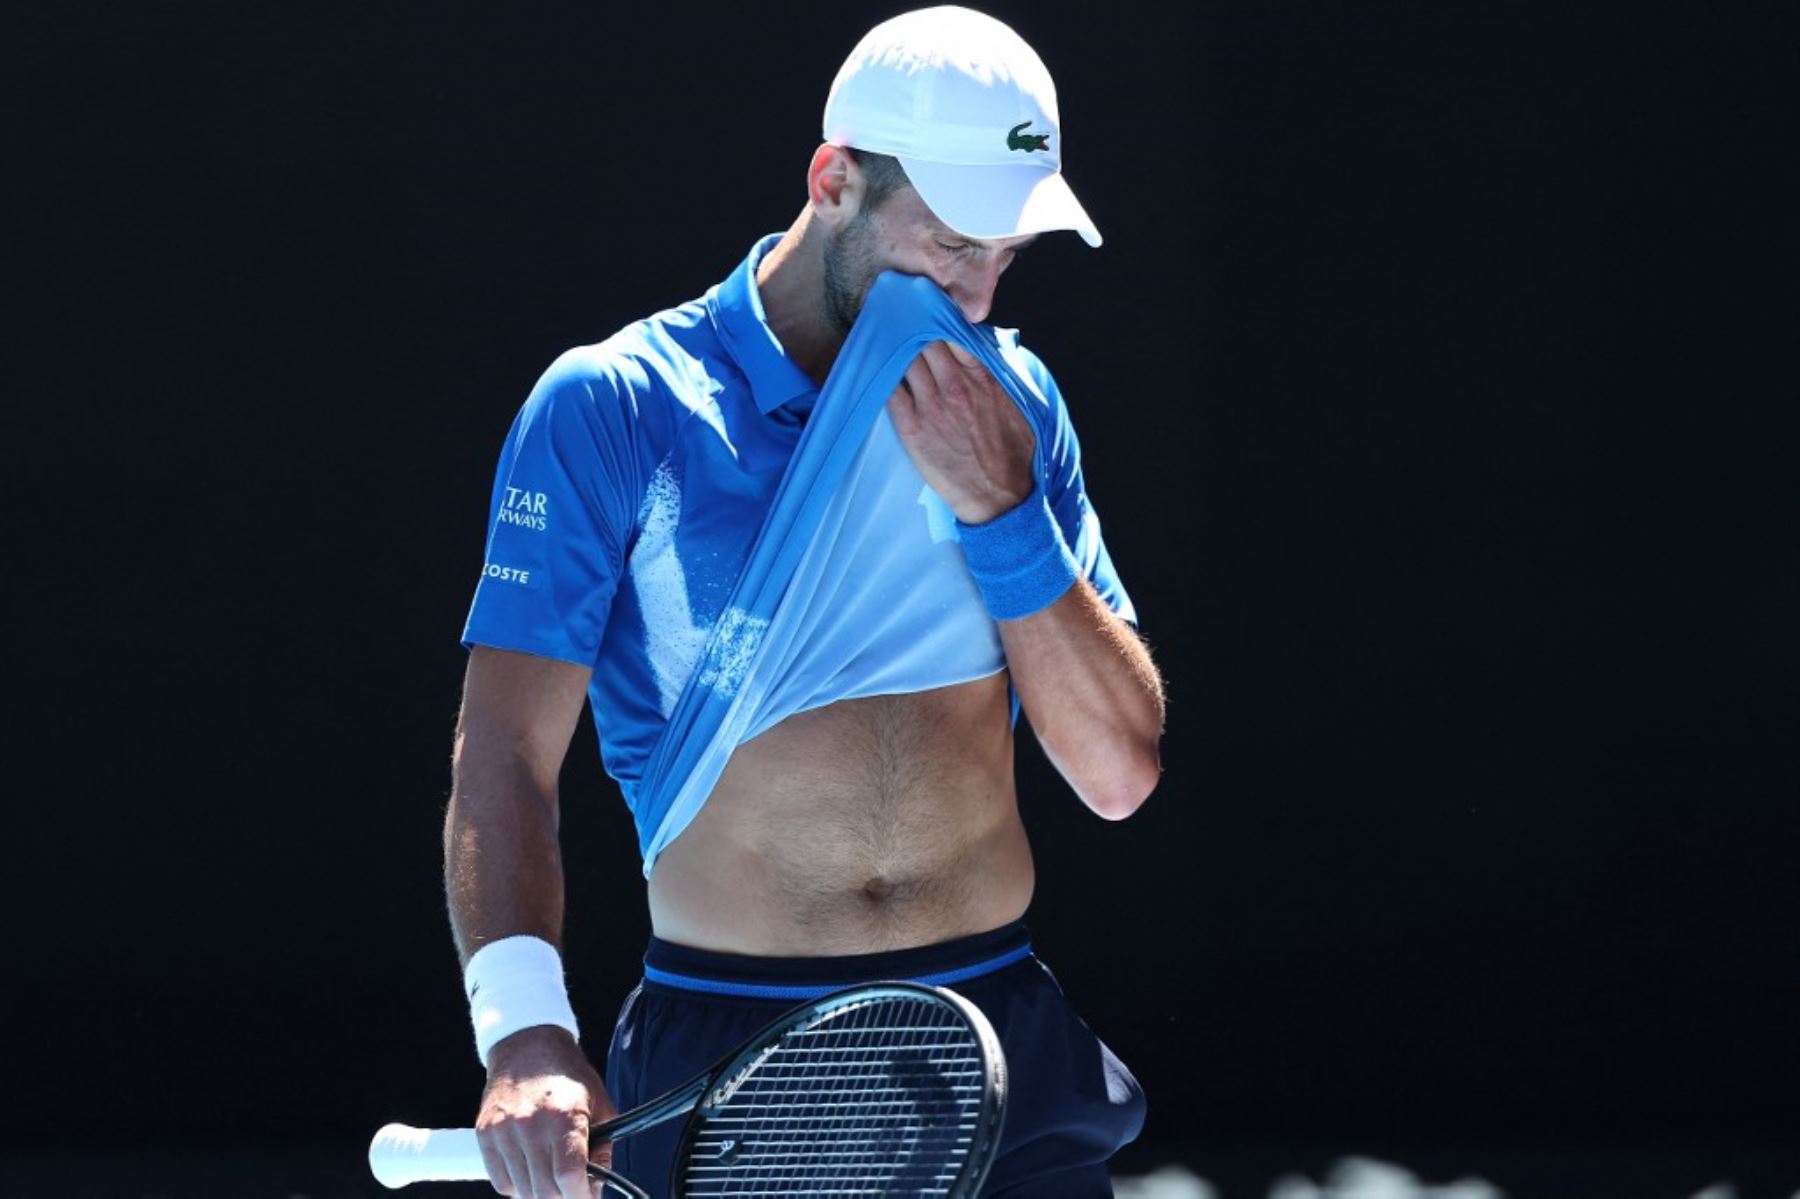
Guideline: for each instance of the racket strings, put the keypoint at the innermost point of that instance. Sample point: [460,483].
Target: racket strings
[876,1097]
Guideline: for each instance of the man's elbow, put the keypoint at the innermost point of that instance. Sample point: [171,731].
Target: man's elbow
[1125,783]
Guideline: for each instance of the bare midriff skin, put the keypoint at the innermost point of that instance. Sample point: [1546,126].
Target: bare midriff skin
[864,826]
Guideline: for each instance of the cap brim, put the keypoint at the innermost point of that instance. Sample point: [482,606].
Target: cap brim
[992,202]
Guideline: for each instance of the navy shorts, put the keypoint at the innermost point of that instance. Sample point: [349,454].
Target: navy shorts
[1070,1102]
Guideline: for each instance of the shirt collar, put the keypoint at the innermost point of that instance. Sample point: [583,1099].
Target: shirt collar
[737,314]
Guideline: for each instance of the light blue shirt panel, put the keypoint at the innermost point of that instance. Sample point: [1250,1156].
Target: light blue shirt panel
[904,613]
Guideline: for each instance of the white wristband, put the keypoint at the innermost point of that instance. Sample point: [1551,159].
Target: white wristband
[515,983]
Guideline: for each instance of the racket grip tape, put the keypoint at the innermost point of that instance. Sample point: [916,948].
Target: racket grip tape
[400,1155]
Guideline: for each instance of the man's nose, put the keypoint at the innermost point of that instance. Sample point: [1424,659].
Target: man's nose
[974,287]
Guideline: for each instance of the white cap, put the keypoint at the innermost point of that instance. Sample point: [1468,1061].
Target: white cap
[969,110]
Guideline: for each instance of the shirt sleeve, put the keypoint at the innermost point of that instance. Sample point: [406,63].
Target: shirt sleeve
[560,517]
[1066,489]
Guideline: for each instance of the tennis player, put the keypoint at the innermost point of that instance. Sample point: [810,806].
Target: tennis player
[874,833]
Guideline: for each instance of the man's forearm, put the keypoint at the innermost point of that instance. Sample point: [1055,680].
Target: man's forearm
[1093,696]
[502,862]
[503,878]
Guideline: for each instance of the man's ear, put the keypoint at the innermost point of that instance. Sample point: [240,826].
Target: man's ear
[834,185]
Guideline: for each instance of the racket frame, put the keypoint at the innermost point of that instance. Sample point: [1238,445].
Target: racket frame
[704,1092]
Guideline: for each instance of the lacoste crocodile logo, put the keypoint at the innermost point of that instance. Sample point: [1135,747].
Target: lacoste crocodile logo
[1018,139]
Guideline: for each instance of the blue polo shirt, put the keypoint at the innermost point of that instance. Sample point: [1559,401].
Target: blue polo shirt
[633,485]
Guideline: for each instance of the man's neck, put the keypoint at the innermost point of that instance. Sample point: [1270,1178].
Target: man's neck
[790,280]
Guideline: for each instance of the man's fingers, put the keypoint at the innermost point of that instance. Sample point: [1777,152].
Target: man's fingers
[533,1174]
[601,1154]
[555,1154]
[963,355]
[499,1173]
[912,389]
[571,1163]
[938,366]
[940,391]
[517,1164]
[949,355]
[957,377]
[903,410]
[920,380]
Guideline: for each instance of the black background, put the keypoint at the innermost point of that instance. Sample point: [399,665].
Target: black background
[1436,388]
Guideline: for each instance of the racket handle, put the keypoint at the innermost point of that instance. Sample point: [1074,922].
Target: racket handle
[400,1154]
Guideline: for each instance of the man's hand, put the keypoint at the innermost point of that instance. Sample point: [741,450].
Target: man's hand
[964,433]
[542,1097]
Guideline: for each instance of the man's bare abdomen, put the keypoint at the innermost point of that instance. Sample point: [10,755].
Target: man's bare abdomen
[867,825]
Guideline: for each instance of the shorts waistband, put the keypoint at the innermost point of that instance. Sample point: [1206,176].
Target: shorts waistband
[684,968]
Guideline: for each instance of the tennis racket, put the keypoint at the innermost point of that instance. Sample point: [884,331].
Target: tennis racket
[881,1089]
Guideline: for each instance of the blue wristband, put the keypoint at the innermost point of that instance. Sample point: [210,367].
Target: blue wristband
[1019,559]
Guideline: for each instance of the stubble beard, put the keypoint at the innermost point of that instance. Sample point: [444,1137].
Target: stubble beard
[849,269]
